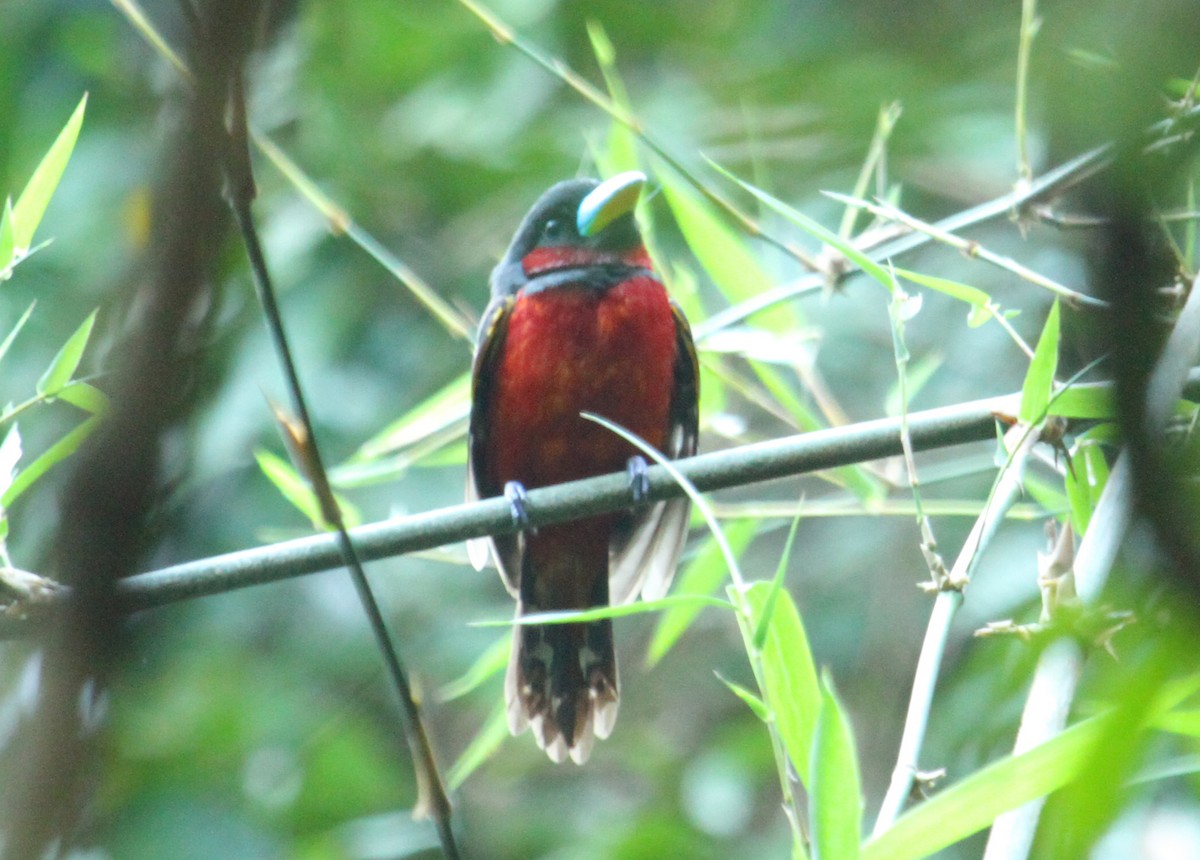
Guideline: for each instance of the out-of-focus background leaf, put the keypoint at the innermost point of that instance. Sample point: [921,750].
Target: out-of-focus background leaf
[258,723]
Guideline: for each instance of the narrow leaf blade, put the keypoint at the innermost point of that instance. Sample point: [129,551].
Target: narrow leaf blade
[64,365]
[31,205]
[1039,381]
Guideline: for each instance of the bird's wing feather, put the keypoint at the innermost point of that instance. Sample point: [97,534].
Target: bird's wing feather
[506,548]
[644,552]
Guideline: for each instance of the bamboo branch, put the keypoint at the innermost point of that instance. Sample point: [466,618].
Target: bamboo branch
[792,455]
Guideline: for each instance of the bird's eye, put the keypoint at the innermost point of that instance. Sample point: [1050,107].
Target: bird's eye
[554,230]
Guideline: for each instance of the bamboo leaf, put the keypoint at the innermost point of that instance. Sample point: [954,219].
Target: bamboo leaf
[722,252]
[757,705]
[52,456]
[1039,380]
[835,813]
[296,490]
[789,678]
[16,329]
[972,804]
[64,365]
[31,205]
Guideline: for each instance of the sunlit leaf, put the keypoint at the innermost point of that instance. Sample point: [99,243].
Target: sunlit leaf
[972,804]
[1039,380]
[52,456]
[757,705]
[8,239]
[296,490]
[817,229]
[835,811]
[1084,402]
[575,616]
[721,250]
[445,408]
[16,329]
[1085,481]
[789,676]
[31,205]
[66,362]
[84,395]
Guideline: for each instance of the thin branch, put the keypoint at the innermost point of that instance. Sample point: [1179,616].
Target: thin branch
[1006,491]
[792,455]
[974,249]
[1018,202]
[432,797]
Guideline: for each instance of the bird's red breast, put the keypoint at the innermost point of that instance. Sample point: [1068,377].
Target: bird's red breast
[578,323]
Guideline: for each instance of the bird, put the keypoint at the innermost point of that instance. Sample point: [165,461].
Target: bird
[578,322]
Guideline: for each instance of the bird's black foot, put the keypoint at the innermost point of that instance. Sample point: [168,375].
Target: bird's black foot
[639,481]
[518,504]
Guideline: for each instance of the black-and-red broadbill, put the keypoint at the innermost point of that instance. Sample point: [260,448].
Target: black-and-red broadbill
[578,322]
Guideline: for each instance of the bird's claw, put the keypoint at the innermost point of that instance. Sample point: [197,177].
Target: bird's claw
[639,481]
[518,504]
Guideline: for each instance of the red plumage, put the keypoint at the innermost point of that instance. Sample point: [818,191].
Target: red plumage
[578,324]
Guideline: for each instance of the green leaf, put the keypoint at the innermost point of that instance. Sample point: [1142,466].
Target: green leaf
[489,738]
[722,252]
[1039,381]
[1084,402]
[441,411]
[768,610]
[86,396]
[818,230]
[789,678]
[757,705]
[972,804]
[296,490]
[31,205]
[575,616]
[702,575]
[620,152]
[835,813]
[8,240]
[918,373]
[16,329]
[1085,481]
[52,456]
[491,662]
[64,365]
[973,296]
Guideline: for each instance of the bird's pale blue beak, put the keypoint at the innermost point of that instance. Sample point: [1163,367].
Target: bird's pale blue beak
[608,201]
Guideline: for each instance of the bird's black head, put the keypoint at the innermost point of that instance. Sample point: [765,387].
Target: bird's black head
[575,224]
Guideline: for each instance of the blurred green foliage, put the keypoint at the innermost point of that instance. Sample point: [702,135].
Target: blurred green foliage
[258,724]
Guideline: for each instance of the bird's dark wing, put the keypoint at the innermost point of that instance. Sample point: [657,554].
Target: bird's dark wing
[489,344]
[645,548]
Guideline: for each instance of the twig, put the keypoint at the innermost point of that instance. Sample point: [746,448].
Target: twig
[432,797]
[974,249]
[1029,27]
[1006,491]
[1045,187]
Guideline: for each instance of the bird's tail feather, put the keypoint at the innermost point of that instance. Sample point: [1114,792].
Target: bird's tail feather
[562,682]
